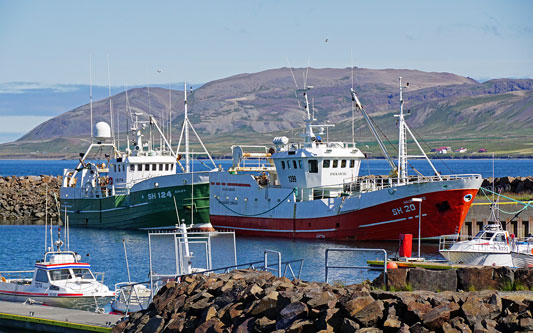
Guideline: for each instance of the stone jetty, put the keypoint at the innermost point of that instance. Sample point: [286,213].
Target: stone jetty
[256,301]
[23,199]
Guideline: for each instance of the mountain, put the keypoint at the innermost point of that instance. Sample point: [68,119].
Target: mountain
[252,108]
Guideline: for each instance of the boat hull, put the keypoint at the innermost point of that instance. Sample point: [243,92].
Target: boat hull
[478,258]
[146,208]
[378,215]
[71,301]
[522,260]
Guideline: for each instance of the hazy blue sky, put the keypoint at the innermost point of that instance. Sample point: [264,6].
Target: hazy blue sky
[198,41]
[44,43]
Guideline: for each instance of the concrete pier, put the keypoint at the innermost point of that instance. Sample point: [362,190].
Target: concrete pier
[32,317]
[479,215]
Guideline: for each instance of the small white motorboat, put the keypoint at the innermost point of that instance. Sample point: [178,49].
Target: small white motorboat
[59,279]
[492,246]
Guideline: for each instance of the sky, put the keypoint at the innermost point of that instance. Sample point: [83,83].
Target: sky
[46,43]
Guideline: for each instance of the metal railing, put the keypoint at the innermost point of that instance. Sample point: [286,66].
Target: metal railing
[328,267]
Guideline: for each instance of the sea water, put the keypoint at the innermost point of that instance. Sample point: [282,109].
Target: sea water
[502,167]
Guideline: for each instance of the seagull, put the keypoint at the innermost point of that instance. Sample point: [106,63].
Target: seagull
[159,71]
[326,40]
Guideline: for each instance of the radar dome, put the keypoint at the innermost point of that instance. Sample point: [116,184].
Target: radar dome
[102,130]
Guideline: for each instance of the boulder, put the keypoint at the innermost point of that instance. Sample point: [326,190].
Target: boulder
[474,278]
[423,279]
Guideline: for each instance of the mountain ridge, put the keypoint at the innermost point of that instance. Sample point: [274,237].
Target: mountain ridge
[256,106]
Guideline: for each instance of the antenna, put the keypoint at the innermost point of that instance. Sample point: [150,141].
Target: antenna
[110,102]
[307,72]
[169,114]
[91,92]
[353,100]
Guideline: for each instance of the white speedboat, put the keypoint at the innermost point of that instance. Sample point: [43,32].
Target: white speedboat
[59,279]
[492,246]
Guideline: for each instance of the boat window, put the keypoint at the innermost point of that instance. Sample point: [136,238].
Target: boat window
[166,167]
[352,163]
[114,168]
[41,276]
[132,167]
[283,164]
[60,274]
[154,167]
[160,167]
[343,164]
[488,235]
[325,164]
[83,273]
[147,167]
[294,164]
[313,166]
[479,234]
[172,167]
[300,164]
[500,238]
[335,163]
[288,164]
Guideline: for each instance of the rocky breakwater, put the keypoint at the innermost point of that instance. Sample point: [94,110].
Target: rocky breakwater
[517,185]
[23,199]
[252,301]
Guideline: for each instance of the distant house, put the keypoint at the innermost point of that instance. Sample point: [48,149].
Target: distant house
[461,150]
[441,150]
[482,150]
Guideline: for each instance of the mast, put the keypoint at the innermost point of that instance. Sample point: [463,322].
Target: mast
[91,93]
[186,129]
[402,144]
[110,102]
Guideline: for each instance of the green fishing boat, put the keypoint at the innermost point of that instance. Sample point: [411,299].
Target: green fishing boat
[146,186]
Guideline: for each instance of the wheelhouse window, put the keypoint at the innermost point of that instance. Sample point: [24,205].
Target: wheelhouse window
[60,274]
[114,168]
[139,167]
[288,164]
[352,163]
[41,276]
[160,167]
[325,164]
[313,166]
[300,164]
[294,164]
[132,167]
[83,273]
[283,165]
[154,167]
[335,163]
[343,164]
[167,167]
[147,167]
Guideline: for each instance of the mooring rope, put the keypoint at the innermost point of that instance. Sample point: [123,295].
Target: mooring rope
[266,211]
[526,204]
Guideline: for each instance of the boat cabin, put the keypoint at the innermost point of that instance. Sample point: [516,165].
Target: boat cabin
[61,266]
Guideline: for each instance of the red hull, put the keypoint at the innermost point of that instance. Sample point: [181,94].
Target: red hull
[443,213]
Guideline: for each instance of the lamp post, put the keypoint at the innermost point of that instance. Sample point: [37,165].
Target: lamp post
[419,200]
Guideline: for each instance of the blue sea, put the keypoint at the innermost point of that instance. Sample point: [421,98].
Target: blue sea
[502,167]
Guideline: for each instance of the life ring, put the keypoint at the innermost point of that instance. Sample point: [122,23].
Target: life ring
[531,251]
[110,180]
[4,279]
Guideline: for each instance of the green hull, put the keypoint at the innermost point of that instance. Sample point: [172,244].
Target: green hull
[152,208]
